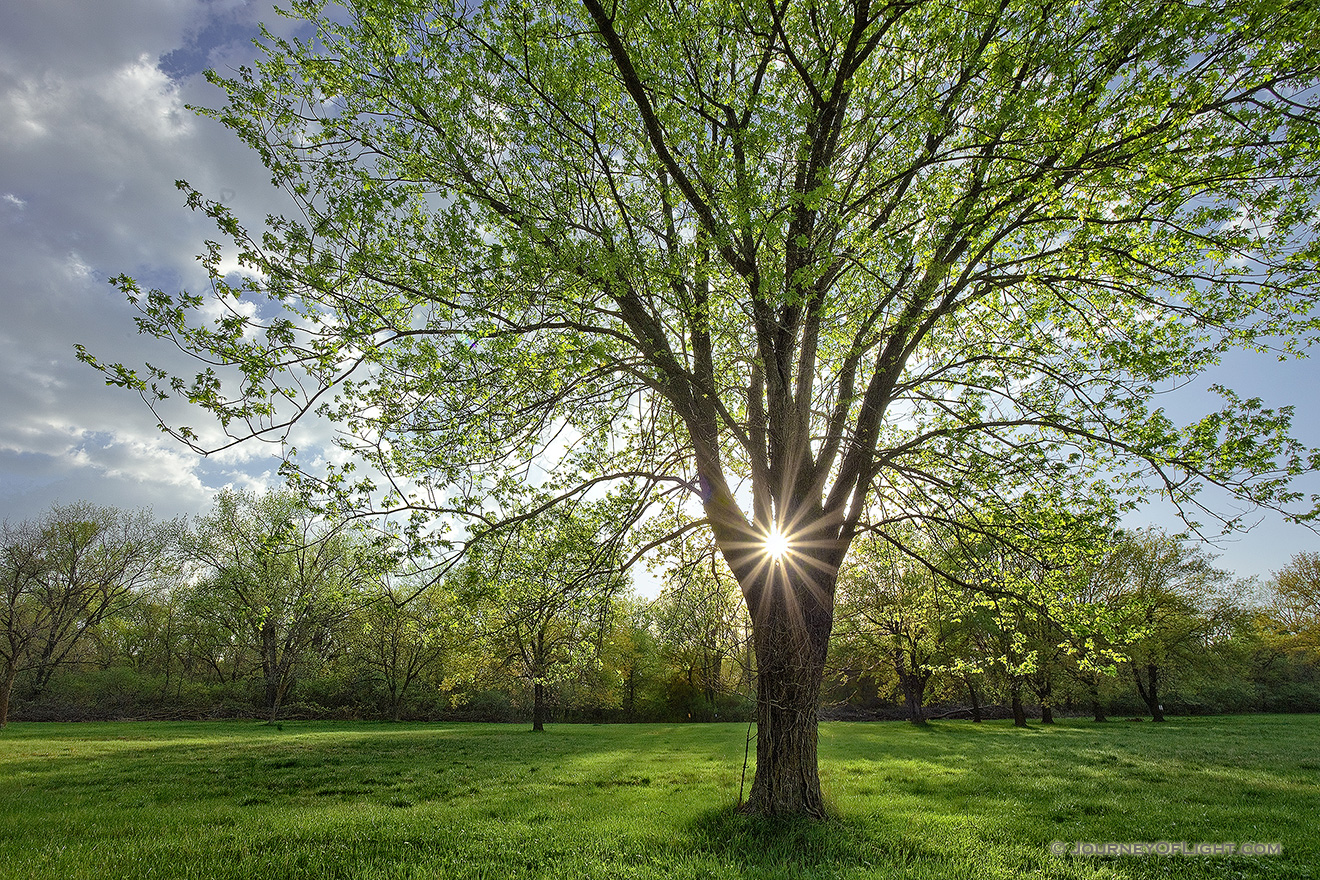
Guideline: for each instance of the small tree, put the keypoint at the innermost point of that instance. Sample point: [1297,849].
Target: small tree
[634,653]
[1016,569]
[1092,629]
[541,593]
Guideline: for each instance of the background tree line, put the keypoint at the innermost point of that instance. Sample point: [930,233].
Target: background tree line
[261,608]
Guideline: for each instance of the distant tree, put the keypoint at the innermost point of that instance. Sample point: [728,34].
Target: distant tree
[98,559]
[65,573]
[896,613]
[1070,619]
[1167,594]
[971,653]
[22,564]
[632,650]
[541,592]
[1295,603]
[275,578]
[702,629]
[1091,627]
[1015,570]
[141,637]
[407,631]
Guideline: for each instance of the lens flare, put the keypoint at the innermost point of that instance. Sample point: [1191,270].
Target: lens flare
[776,544]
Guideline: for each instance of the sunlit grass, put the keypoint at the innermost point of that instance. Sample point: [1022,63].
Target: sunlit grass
[360,800]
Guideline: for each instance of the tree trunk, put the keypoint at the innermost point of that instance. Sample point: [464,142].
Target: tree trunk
[277,697]
[1097,708]
[6,688]
[976,701]
[1046,703]
[1019,714]
[630,695]
[270,669]
[914,688]
[41,678]
[1150,690]
[538,706]
[396,707]
[791,621]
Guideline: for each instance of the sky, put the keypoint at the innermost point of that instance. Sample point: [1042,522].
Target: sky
[94,131]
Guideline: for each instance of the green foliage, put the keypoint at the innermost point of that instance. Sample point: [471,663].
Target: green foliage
[407,634]
[1172,604]
[1055,622]
[273,579]
[897,621]
[845,253]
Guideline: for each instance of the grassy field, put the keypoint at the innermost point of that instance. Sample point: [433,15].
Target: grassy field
[948,800]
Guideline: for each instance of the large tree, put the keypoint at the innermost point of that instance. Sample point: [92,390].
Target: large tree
[817,265]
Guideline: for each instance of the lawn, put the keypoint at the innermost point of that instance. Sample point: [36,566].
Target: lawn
[948,800]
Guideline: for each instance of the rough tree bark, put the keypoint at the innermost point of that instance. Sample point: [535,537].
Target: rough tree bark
[793,620]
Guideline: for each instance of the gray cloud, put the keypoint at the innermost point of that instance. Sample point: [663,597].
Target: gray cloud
[93,134]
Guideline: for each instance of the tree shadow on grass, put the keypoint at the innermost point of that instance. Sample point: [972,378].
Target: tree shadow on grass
[797,847]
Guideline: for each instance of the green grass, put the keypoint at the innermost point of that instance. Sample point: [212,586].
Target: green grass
[950,800]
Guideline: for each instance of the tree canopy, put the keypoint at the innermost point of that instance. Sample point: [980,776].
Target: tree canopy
[798,269]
